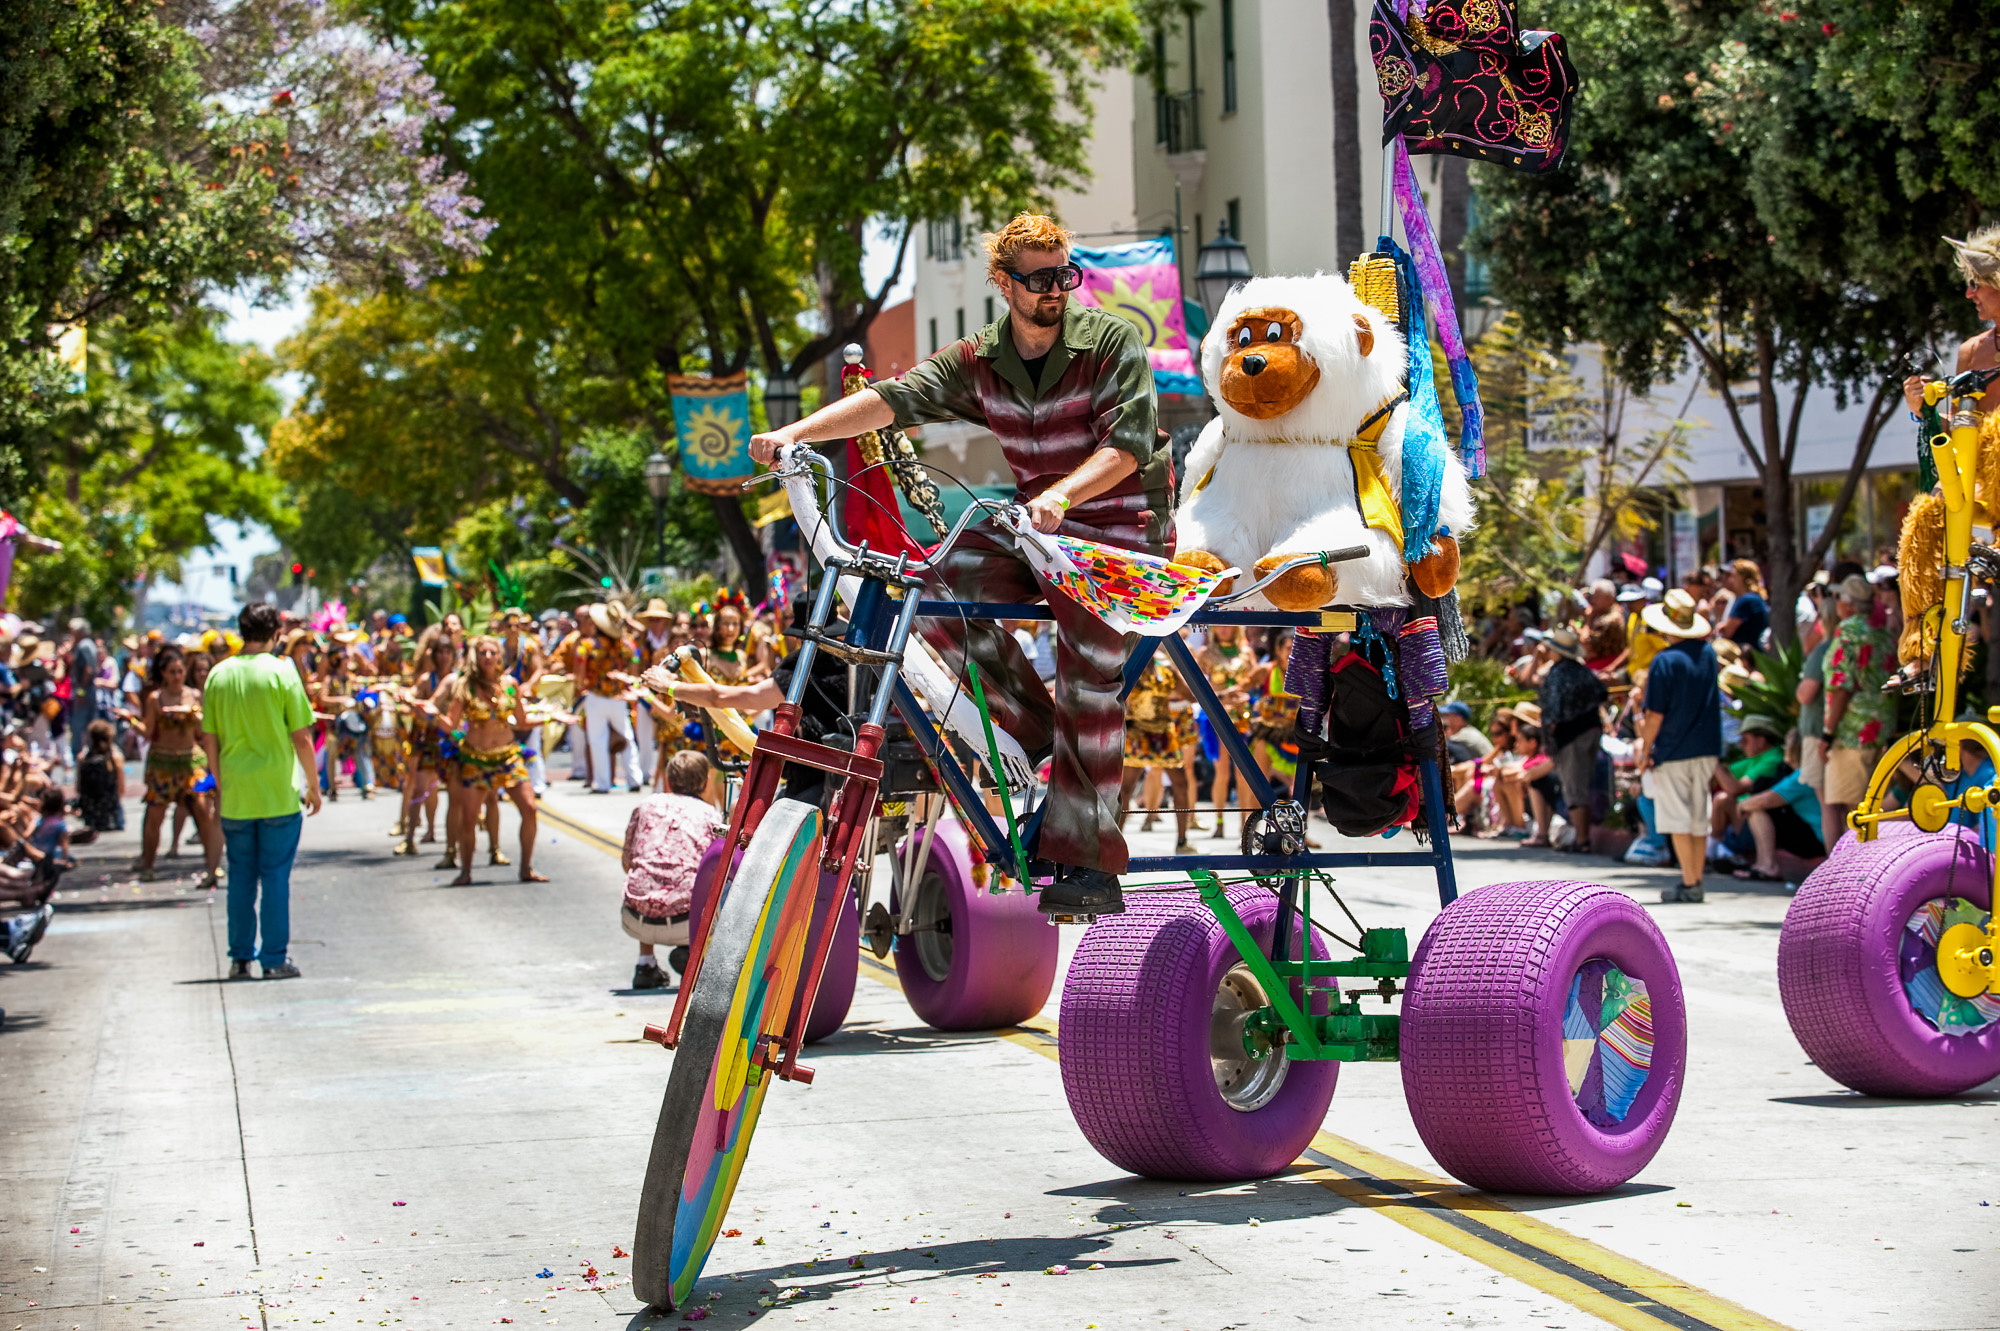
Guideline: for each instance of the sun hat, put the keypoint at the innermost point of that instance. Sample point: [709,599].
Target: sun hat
[1653,588]
[1631,592]
[1856,590]
[1528,714]
[1766,726]
[1728,651]
[607,620]
[656,609]
[1565,642]
[1675,616]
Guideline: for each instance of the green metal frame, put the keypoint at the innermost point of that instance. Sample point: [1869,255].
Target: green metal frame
[1344,1032]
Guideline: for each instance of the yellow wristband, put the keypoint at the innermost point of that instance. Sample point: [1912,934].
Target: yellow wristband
[1059,497]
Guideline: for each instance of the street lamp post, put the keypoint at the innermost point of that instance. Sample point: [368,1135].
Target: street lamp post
[659,479]
[1220,266]
[781,400]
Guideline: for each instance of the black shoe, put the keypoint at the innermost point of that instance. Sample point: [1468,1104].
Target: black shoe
[648,977]
[678,959]
[1083,892]
[240,970]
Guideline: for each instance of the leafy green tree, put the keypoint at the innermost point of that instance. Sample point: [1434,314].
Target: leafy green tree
[413,429]
[1728,202]
[692,182]
[1546,510]
[119,193]
[1924,69]
[144,463]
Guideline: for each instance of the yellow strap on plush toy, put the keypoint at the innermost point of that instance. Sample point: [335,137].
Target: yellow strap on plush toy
[1379,508]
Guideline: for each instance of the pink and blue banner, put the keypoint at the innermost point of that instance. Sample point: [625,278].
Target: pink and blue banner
[1142,285]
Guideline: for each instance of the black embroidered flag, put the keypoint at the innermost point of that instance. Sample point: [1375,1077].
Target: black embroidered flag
[1464,79]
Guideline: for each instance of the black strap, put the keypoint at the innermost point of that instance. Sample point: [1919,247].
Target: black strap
[1382,411]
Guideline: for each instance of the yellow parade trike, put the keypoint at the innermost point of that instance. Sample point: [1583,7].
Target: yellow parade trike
[1887,963]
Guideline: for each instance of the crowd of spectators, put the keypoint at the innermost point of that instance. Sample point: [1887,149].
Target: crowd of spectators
[1654,701]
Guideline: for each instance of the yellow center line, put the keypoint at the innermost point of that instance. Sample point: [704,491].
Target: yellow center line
[1587,1276]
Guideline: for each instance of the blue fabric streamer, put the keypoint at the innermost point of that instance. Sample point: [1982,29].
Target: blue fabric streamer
[1425,448]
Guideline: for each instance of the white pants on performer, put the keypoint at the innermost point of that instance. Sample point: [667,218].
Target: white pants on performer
[577,769]
[648,750]
[531,749]
[601,716]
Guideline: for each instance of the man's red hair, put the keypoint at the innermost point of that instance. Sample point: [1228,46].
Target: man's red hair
[1028,231]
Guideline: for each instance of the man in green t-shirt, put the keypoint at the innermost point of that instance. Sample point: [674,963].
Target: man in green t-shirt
[257,730]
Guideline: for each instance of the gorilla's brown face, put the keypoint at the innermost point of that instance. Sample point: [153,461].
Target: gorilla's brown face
[1265,373]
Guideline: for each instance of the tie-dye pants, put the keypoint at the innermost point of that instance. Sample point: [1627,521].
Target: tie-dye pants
[1085,718]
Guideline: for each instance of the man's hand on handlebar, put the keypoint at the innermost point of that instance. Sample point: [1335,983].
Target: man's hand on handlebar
[1046,510]
[764,447]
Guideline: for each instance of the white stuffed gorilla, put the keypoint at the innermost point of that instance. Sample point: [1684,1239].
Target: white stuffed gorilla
[1305,375]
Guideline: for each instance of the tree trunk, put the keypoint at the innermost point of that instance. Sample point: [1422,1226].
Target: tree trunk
[1349,239]
[743,545]
[1782,545]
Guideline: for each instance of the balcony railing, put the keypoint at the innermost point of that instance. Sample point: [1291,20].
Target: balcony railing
[1177,120]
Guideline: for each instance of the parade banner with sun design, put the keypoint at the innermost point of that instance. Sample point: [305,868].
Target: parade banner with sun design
[1141,284]
[712,426]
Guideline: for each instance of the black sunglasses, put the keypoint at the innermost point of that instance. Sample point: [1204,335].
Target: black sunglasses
[1062,277]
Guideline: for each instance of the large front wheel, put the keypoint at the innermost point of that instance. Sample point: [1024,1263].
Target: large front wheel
[1544,1038]
[742,994]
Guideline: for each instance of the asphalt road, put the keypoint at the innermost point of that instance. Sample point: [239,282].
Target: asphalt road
[444,1123]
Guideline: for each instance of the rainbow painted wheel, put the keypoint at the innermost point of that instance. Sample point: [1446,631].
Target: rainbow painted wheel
[742,992]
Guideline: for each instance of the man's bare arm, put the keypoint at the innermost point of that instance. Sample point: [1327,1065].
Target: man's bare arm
[1102,470]
[302,745]
[855,414]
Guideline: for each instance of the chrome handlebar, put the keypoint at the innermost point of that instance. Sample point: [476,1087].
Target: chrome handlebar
[800,460]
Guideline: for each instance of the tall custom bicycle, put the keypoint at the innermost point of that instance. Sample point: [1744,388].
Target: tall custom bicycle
[1541,1027]
[1887,960]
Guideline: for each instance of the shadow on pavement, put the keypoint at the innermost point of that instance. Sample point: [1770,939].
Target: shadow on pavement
[896,1275]
[1853,1100]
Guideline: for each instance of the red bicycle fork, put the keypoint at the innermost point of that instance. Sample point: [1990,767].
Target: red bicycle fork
[861,773]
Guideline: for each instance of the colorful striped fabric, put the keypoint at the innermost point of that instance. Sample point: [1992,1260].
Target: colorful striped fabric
[1607,1041]
[1933,1002]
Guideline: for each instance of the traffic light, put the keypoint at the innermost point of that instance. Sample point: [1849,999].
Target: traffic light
[297,569]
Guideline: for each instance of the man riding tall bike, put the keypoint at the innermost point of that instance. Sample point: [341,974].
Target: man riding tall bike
[1068,391]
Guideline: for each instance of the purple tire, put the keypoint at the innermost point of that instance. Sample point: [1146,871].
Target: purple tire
[975,960]
[1857,967]
[843,963]
[1152,1048]
[1544,1038]
[1883,832]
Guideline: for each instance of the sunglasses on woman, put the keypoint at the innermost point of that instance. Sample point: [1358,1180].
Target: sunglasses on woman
[1062,277]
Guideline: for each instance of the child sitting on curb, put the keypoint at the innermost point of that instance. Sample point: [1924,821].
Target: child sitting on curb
[664,842]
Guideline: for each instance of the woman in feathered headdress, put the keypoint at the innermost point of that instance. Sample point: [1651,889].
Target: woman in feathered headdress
[728,661]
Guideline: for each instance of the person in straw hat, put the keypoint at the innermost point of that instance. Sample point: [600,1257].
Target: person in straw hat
[1859,716]
[597,657]
[659,622]
[1572,700]
[1681,734]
